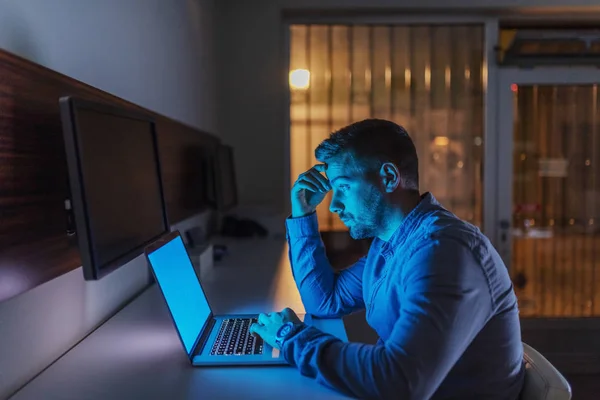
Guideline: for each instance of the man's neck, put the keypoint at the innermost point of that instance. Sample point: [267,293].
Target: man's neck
[397,213]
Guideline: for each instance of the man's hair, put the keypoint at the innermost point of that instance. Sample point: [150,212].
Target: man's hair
[371,143]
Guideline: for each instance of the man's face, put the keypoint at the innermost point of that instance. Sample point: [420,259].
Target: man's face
[357,200]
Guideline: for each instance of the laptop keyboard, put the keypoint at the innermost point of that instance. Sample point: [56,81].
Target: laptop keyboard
[234,338]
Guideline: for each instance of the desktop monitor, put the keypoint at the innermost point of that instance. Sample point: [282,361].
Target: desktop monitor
[193,187]
[225,178]
[115,179]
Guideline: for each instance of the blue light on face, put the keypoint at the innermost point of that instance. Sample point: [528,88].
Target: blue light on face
[185,298]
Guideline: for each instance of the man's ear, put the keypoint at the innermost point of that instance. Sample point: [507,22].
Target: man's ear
[389,176]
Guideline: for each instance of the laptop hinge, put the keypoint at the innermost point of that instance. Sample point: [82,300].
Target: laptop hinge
[208,327]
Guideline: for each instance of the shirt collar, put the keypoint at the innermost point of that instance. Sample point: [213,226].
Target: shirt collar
[410,223]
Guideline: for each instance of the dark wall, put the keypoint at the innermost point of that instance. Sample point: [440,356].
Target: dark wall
[34,247]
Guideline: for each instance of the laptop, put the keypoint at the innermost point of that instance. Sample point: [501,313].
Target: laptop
[208,339]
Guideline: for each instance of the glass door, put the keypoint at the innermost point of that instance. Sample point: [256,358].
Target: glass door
[548,222]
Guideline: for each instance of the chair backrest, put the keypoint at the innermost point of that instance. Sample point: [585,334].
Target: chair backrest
[542,380]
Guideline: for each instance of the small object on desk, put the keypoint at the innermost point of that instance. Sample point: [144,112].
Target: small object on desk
[205,262]
[219,251]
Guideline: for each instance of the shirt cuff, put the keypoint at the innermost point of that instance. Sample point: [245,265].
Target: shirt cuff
[303,226]
[293,347]
[300,326]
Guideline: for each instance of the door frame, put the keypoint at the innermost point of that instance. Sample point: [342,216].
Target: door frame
[504,140]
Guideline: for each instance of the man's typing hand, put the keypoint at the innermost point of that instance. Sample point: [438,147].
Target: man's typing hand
[269,324]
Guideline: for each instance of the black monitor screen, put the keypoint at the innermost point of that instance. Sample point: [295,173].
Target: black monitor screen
[115,183]
[225,175]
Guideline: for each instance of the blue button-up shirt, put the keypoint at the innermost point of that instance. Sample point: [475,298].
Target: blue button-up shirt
[437,294]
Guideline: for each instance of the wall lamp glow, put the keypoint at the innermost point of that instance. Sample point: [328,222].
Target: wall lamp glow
[300,79]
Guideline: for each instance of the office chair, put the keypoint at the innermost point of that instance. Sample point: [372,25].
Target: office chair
[542,379]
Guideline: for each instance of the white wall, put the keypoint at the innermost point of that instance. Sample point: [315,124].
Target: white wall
[156,53]
[252,78]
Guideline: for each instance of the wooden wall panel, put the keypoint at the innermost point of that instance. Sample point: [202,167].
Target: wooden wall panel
[34,247]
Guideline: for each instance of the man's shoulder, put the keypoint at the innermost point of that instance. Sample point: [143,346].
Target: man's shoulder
[444,236]
[446,240]
[440,225]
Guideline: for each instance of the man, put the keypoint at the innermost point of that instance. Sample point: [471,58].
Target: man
[435,290]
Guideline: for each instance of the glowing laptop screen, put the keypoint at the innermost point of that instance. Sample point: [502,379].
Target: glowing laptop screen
[184,296]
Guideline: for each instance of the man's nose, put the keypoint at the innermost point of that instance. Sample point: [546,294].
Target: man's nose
[336,206]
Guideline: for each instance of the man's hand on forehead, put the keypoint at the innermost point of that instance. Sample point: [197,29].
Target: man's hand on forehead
[309,190]
[321,168]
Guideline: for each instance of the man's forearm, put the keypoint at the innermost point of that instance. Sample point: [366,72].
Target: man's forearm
[314,276]
[358,370]
[323,292]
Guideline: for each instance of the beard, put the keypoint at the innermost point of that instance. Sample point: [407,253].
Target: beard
[371,218]
[362,231]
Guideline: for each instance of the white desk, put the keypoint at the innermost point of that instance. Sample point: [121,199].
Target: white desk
[137,355]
